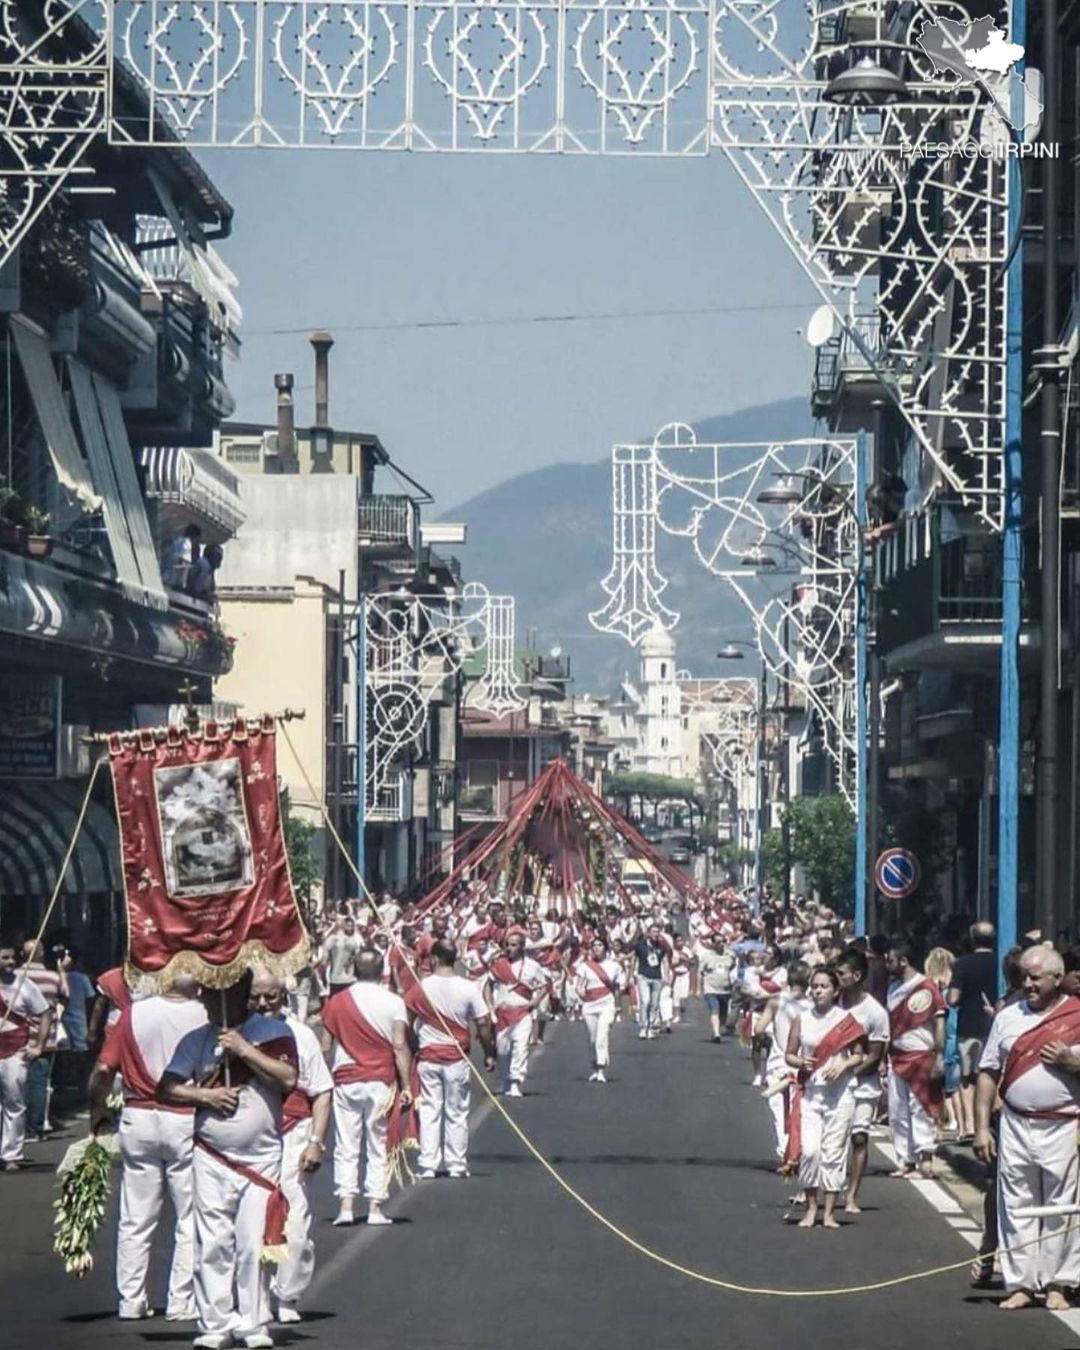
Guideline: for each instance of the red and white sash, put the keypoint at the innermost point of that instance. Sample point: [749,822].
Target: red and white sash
[918,1007]
[372,1054]
[606,988]
[904,1017]
[15,1035]
[1063,1024]
[846,1032]
[121,1050]
[418,1003]
[274,1245]
[510,1014]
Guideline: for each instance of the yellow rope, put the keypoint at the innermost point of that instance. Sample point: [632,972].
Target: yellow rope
[59,882]
[701,1277]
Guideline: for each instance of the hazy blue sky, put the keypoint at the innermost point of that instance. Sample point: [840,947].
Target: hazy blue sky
[335,239]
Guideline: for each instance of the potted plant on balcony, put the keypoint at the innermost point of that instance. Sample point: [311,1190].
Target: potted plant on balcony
[12,517]
[38,541]
[220,643]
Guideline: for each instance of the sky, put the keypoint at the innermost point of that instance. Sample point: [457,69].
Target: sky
[346,239]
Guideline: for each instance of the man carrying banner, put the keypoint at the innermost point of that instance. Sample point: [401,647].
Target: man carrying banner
[916,1061]
[444,1005]
[156,1144]
[517,987]
[236,1072]
[305,1121]
[372,1074]
[1032,1060]
[25,1021]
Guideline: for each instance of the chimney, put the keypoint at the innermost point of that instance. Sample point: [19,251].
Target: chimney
[322,441]
[286,425]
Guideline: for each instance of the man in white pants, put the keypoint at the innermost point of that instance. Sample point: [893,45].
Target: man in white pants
[372,1075]
[445,1006]
[916,1010]
[1032,1060]
[599,981]
[852,970]
[21,1004]
[305,1117]
[236,1072]
[516,988]
[156,1143]
[776,1021]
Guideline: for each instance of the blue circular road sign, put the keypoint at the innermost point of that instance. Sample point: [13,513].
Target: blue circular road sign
[897,873]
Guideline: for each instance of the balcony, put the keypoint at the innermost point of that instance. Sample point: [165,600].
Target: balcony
[388,527]
[847,375]
[939,602]
[389,804]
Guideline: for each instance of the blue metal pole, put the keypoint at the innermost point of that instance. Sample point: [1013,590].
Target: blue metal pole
[862,451]
[361,736]
[1011,562]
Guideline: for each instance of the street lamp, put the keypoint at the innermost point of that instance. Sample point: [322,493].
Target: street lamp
[866,84]
[733,650]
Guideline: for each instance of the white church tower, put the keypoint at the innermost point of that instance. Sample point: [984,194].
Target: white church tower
[660,708]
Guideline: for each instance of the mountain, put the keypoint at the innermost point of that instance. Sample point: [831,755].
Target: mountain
[545,537]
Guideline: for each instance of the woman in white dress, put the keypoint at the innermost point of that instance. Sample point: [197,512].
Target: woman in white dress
[826,1046]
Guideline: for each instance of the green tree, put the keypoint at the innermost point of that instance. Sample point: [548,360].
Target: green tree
[822,832]
[302,864]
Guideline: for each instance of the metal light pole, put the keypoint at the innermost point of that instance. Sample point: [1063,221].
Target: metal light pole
[861,635]
[361,735]
[1048,363]
[731,651]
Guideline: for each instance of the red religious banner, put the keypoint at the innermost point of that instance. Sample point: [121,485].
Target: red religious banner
[206,874]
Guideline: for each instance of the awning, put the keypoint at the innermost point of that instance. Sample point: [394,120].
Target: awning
[52,415]
[37,821]
[198,482]
[123,508]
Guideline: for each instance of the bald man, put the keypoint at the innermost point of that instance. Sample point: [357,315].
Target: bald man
[1032,1060]
[305,1120]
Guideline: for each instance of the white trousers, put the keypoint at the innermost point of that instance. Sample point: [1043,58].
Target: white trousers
[361,1122]
[776,1103]
[667,1006]
[681,990]
[12,1107]
[291,1278]
[913,1129]
[156,1149]
[512,1046]
[232,1285]
[825,1132]
[598,1018]
[1037,1165]
[444,1116]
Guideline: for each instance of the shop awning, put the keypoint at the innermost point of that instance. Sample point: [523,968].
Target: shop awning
[37,821]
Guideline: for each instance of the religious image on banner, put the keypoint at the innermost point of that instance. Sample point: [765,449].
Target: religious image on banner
[206,873]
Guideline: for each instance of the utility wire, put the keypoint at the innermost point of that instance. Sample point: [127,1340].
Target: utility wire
[524,319]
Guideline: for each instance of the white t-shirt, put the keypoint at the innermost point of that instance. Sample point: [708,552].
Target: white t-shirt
[589,980]
[459,1000]
[1040,1089]
[874,1020]
[313,1077]
[381,1008]
[788,1008]
[527,972]
[30,1003]
[252,1135]
[159,1025]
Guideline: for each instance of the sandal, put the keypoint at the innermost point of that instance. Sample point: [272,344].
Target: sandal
[981,1271]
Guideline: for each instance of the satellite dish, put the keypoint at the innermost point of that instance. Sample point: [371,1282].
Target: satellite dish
[821,327]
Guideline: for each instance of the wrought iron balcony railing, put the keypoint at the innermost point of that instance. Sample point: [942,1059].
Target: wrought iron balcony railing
[388,525]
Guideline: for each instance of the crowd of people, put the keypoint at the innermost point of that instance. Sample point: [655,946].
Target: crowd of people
[230,1101]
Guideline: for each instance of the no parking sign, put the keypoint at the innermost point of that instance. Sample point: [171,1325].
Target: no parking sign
[897,873]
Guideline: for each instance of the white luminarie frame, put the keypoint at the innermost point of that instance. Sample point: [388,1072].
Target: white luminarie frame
[710,494]
[907,251]
[411,645]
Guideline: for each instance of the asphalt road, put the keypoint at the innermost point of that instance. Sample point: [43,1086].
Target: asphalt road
[677,1150]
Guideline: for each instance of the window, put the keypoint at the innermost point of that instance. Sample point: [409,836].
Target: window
[663,742]
[663,670]
[239,453]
